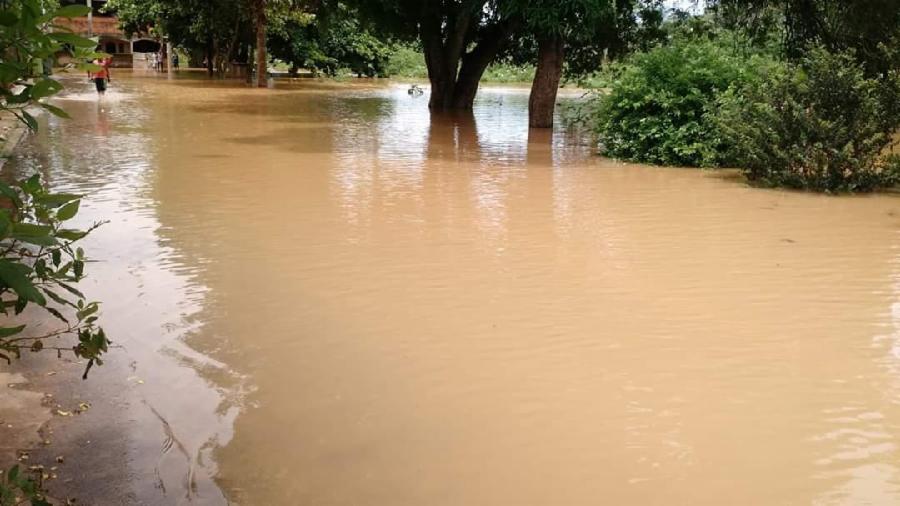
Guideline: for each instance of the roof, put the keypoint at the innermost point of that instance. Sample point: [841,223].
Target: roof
[103,25]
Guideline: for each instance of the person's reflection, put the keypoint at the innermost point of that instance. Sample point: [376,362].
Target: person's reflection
[101,123]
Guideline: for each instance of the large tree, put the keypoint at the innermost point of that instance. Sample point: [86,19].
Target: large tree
[225,30]
[460,38]
[869,28]
[259,15]
[328,42]
[587,26]
[218,28]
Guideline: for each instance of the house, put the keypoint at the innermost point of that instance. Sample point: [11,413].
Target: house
[112,39]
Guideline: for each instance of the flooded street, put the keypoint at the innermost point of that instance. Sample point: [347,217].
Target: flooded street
[324,297]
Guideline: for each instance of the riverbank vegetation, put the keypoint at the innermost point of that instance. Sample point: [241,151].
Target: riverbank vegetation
[40,262]
[459,42]
[670,86]
[795,98]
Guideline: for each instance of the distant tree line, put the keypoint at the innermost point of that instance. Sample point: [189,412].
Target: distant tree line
[460,39]
[796,93]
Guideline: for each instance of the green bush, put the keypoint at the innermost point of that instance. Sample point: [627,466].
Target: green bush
[819,124]
[502,72]
[406,61]
[660,104]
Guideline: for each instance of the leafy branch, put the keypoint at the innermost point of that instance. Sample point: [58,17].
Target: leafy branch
[40,262]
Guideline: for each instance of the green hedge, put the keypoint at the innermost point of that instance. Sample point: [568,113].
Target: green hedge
[660,103]
[819,124]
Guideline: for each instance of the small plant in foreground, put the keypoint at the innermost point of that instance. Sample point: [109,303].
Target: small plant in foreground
[16,489]
[39,264]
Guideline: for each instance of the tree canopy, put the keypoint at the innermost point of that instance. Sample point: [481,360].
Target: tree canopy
[328,42]
[869,28]
[460,38]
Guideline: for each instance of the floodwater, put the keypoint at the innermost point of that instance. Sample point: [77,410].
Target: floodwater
[324,296]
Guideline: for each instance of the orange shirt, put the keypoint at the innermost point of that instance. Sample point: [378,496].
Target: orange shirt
[103,73]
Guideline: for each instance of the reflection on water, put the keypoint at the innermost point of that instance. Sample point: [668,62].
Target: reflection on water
[389,308]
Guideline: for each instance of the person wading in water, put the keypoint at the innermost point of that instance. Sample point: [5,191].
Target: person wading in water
[100,77]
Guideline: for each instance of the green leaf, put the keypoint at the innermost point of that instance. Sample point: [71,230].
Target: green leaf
[56,111]
[8,192]
[89,67]
[62,271]
[44,88]
[72,11]
[36,240]
[20,305]
[70,234]
[56,199]
[32,185]
[11,331]
[32,229]
[71,289]
[34,234]
[8,18]
[29,120]
[18,277]
[57,314]
[56,298]
[68,211]
[87,311]
[72,39]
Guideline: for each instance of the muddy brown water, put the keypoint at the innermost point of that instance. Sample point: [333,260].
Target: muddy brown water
[324,296]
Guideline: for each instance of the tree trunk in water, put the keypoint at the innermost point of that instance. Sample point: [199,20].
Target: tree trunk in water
[542,103]
[456,90]
[248,61]
[469,78]
[454,73]
[210,65]
[261,57]
[441,93]
[439,73]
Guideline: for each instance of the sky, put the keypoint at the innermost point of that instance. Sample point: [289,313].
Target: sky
[688,5]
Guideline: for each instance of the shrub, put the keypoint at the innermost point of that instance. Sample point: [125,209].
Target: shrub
[39,266]
[819,124]
[661,101]
[502,72]
[39,260]
[406,61]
